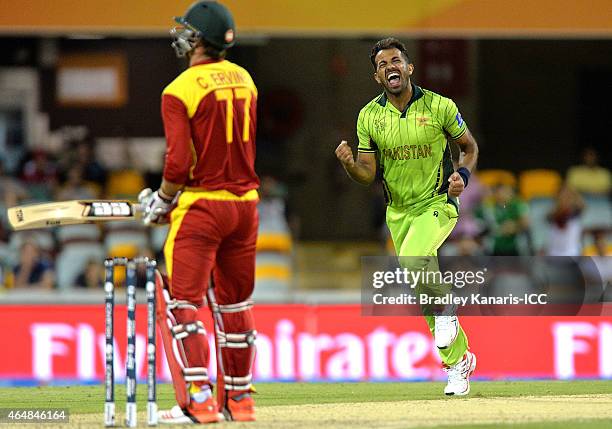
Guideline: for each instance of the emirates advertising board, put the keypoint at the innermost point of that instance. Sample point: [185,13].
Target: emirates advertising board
[65,344]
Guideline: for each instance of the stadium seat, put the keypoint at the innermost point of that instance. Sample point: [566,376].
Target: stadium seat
[78,244]
[3,215]
[589,247]
[539,208]
[273,274]
[78,233]
[591,250]
[331,265]
[274,242]
[72,260]
[597,213]
[7,257]
[493,177]
[122,250]
[539,183]
[43,237]
[158,237]
[126,232]
[273,266]
[124,184]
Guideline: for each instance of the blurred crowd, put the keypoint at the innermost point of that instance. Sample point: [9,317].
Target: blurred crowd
[68,256]
[71,256]
[538,212]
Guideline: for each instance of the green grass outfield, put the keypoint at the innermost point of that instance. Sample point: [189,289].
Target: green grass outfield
[525,405]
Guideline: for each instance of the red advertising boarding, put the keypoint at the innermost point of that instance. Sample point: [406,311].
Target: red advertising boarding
[301,342]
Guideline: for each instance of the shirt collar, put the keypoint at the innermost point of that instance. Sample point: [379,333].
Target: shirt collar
[417,93]
[207,61]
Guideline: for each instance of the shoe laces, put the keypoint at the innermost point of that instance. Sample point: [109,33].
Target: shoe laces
[455,372]
[444,323]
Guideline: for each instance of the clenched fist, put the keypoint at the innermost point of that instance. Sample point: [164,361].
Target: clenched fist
[456,185]
[345,154]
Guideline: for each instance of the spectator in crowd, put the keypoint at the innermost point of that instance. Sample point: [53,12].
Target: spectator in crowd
[273,197]
[39,168]
[39,173]
[565,234]
[12,191]
[33,270]
[506,220]
[589,177]
[93,171]
[74,188]
[602,245]
[91,277]
[600,253]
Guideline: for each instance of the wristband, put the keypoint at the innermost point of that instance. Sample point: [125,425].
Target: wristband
[165,197]
[465,175]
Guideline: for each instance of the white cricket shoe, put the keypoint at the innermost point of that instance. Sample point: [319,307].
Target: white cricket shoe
[459,375]
[445,330]
[176,416]
[173,416]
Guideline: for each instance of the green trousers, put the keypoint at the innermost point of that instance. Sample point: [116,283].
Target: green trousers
[420,233]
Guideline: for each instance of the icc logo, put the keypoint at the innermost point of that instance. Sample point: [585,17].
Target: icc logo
[379,124]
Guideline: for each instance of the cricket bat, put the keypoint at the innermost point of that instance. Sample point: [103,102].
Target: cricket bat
[47,215]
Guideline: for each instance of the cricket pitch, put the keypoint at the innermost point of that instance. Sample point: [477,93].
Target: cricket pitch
[524,405]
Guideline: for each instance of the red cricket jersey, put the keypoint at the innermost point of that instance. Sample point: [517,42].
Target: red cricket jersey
[210,117]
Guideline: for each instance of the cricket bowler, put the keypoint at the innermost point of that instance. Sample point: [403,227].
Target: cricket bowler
[409,129]
[209,193]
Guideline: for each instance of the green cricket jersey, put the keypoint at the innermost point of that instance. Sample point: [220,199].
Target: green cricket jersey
[412,146]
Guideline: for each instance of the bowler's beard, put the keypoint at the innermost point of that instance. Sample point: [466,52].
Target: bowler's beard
[399,90]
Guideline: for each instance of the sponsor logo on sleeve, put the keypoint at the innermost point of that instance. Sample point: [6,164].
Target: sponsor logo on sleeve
[459,119]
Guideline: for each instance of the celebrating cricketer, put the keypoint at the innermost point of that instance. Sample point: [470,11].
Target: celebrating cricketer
[409,128]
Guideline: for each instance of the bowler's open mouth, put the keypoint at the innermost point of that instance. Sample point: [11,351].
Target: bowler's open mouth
[394,79]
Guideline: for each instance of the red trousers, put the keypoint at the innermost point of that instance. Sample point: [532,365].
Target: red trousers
[212,236]
[214,233]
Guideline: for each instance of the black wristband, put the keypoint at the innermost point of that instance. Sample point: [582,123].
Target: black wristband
[165,197]
[465,175]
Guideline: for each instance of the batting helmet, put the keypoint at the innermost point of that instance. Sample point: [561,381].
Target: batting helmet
[207,20]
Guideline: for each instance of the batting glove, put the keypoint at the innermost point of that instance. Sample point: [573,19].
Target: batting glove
[155,205]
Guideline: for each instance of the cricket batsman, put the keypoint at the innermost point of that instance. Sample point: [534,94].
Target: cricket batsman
[209,196]
[409,129]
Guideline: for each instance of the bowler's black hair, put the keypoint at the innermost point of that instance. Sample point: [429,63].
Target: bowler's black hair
[388,43]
